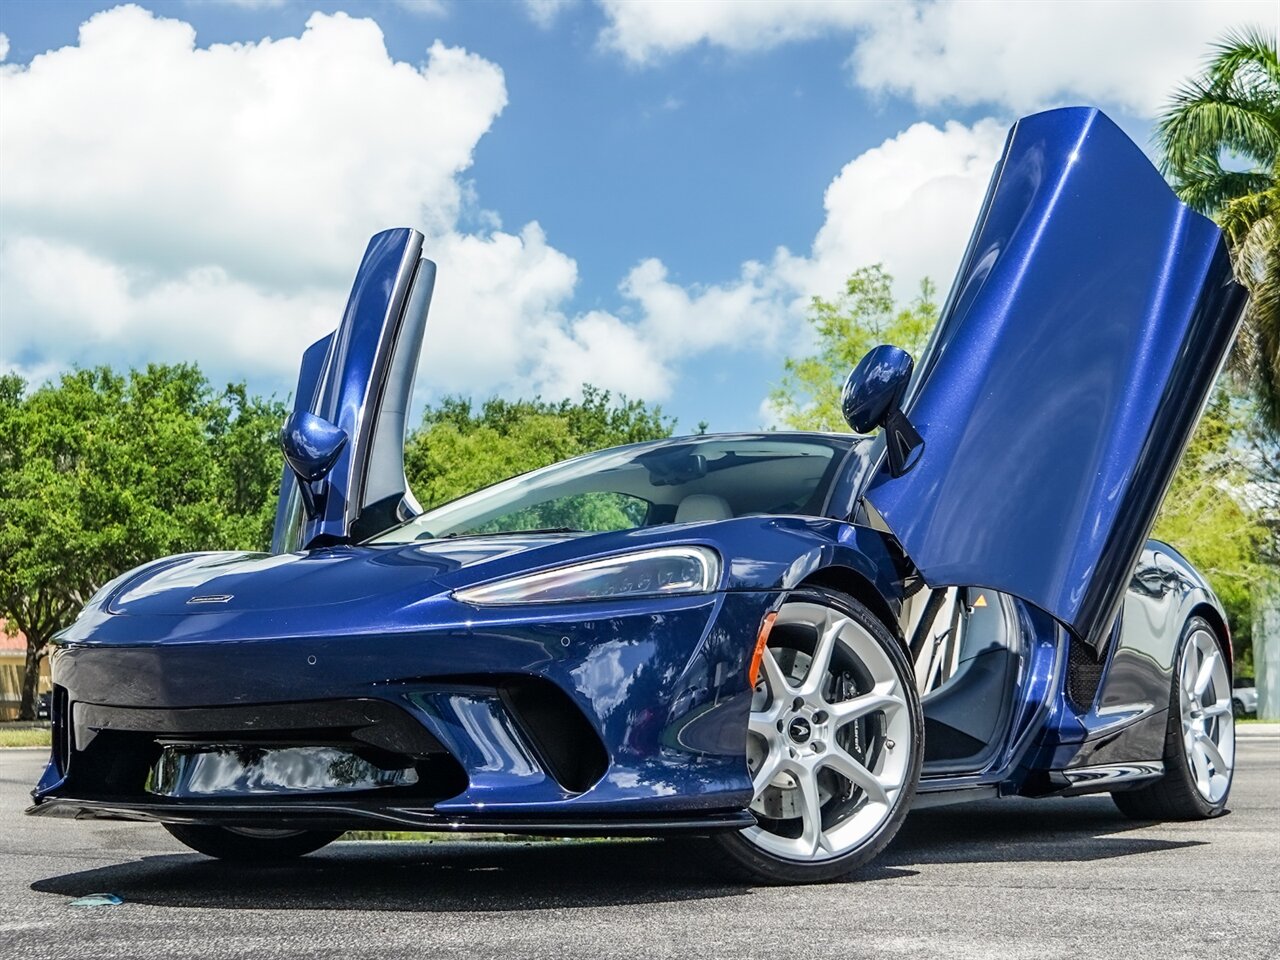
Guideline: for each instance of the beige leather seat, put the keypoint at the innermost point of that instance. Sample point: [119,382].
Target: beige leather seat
[701,507]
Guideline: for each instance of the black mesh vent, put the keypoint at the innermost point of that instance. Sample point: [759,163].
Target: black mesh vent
[1084,673]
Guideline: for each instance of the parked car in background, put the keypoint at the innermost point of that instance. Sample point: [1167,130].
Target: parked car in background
[1244,697]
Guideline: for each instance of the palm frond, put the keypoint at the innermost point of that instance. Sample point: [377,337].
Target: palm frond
[1247,215]
[1207,187]
[1202,121]
[1257,263]
[1249,49]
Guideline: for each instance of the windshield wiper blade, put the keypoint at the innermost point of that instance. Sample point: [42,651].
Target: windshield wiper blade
[511,533]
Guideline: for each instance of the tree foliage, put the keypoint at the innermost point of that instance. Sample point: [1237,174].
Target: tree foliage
[1213,512]
[1209,514]
[1231,113]
[101,471]
[864,315]
[458,448]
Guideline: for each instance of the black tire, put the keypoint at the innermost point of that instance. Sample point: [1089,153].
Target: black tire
[732,854]
[1175,795]
[1237,707]
[250,847]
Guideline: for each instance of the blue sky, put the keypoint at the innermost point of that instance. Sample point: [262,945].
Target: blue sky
[630,194]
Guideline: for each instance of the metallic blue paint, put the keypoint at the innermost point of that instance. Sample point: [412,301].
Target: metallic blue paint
[311,445]
[875,386]
[346,387]
[1076,347]
[1082,335]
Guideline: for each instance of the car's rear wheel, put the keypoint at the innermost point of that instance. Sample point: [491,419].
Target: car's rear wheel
[834,744]
[249,843]
[1200,739]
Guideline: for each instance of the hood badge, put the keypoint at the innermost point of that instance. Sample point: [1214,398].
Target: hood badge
[212,598]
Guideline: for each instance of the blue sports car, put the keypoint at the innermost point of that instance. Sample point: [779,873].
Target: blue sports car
[775,644]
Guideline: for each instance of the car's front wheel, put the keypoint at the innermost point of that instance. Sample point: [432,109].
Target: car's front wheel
[249,843]
[834,743]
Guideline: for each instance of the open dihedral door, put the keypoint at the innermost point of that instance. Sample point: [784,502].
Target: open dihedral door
[360,380]
[1081,338]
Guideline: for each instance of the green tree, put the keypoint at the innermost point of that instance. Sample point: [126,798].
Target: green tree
[864,315]
[458,449]
[1209,513]
[1231,113]
[102,471]
[1210,516]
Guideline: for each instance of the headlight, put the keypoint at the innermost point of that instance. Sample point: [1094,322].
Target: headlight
[659,572]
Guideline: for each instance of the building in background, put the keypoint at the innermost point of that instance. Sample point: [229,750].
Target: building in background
[13,662]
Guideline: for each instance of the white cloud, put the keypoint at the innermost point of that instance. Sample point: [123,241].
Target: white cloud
[4,47]
[544,13]
[600,348]
[212,204]
[688,320]
[266,159]
[1013,54]
[1025,56]
[643,32]
[909,203]
[425,8]
[89,308]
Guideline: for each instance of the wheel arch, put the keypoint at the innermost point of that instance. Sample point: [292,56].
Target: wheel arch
[1221,631]
[849,581]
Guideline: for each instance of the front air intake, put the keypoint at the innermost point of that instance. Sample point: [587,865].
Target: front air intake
[566,743]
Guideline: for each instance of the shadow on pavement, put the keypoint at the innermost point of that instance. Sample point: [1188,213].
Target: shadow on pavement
[470,876]
[480,876]
[1017,830]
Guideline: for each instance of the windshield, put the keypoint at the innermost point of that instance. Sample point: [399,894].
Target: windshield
[644,485]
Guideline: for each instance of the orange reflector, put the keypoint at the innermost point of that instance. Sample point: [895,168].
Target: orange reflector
[981,601]
[763,638]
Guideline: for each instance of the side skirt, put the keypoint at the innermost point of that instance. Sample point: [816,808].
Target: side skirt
[1105,777]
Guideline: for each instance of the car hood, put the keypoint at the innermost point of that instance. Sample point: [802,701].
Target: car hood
[226,582]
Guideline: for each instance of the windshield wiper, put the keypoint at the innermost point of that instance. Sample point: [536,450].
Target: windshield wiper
[510,533]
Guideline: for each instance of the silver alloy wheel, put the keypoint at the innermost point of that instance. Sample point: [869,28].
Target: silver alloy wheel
[1208,725]
[830,738]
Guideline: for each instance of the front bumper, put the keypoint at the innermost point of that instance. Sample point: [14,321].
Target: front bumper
[602,719]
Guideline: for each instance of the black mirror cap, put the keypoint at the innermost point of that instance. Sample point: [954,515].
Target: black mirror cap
[872,397]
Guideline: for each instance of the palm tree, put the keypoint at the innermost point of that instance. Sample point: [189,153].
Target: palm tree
[1221,141]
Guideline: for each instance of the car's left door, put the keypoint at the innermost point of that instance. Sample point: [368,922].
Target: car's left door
[360,379]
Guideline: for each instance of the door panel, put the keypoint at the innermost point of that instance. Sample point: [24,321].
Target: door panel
[1089,318]
[360,378]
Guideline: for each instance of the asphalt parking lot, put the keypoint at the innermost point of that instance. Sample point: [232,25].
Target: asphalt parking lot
[1043,879]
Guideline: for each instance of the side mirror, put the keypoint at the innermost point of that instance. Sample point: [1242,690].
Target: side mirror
[872,398]
[311,447]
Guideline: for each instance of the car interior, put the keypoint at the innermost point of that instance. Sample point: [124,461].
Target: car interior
[968,651]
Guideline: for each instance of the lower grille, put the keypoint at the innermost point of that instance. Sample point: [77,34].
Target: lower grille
[346,746]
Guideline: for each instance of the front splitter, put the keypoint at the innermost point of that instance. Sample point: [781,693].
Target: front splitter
[321,815]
